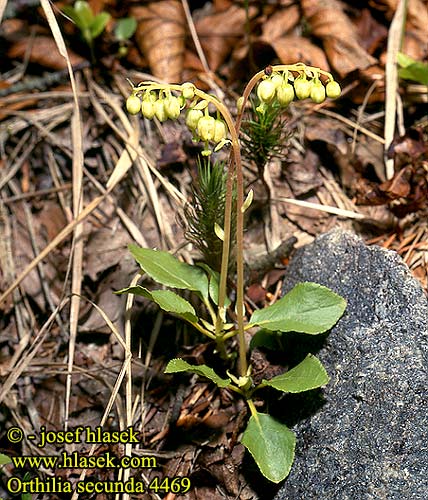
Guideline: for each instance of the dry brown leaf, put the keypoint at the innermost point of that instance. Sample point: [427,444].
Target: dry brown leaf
[417,12]
[43,51]
[291,49]
[414,47]
[192,68]
[371,32]
[219,33]
[279,23]
[303,181]
[220,5]
[340,39]
[46,224]
[415,43]
[160,36]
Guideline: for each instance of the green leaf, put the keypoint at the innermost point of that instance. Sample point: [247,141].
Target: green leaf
[412,69]
[166,300]
[271,444]
[168,270]
[265,338]
[4,459]
[214,278]
[307,308]
[71,13]
[99,23]
[125,28]
[179,365]
[84,12]
[307,375]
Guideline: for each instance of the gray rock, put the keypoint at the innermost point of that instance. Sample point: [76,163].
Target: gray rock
[369,440]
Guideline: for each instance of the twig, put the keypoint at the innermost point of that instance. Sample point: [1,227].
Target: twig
[41,82]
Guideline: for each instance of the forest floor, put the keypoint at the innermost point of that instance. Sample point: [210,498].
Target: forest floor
[80,179]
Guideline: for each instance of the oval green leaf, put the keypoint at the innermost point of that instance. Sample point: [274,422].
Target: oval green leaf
[169,271]
[307,375]
[4,459]
[99,23]
[84,12]
[166,300]
[125,28]
[271,444]
[307,308]
[179,365]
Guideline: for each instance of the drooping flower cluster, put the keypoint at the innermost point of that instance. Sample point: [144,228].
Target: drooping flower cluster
[164,105]
[284,87]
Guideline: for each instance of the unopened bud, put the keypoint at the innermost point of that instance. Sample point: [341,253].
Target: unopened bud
[318,92]
[277,80]
[192,118]
[266,91]
[220,131]
[133,104]
[172,107]
[206,128]
[240,103]
[188,90]
[333,89]
[302,87]
[285,94]
[160,110]
[148,109]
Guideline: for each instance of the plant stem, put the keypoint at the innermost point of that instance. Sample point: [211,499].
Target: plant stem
[252,409]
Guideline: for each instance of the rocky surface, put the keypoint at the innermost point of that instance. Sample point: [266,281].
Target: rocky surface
[368,439]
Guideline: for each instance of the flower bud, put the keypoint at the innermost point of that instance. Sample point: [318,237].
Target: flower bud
[206,128]
[172,107]
[220,131]
[148,109]
[277,80]
[245,383]
[261,108]
[188,90]
[317,92]
[285,94]
[133,104]
[240,103]
[150,96]
[302,87]
[266,91]
[160,110]
[333,89]
[192,118]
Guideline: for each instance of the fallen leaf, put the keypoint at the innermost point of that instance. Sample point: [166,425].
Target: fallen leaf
[42,50]
[256,293]
[371,33]
[410,147]
[220,32]
[160,35]
[303,180]
[220,5]
[417,12]
[280,22]
[292,48]
[46,225]
[340,38]
[415,42]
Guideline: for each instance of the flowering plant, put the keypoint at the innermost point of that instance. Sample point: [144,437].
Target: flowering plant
[308,308]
